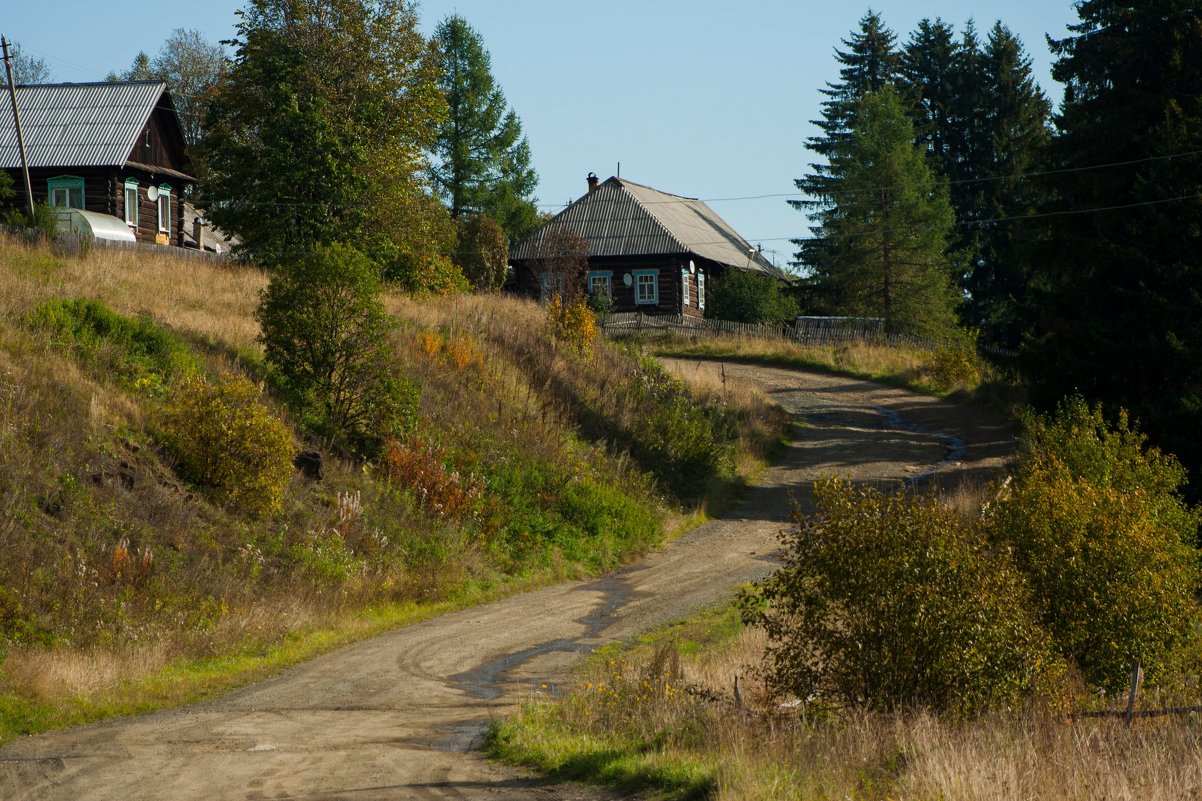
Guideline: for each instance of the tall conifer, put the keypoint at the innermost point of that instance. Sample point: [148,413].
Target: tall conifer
[1120,315]
[869,64]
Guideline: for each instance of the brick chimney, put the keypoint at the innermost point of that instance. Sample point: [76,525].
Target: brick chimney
[592,182]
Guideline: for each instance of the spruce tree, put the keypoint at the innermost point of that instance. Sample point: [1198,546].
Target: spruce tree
[1119,314]
[869,63]
[482,161]
[1017,132]
[886,225]
[929,83]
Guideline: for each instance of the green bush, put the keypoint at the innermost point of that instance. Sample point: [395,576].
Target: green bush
[682,442]
[747,297]
[225,440]
[1105,540]
[325,331]
[890,602]
[482,252]
[137,350]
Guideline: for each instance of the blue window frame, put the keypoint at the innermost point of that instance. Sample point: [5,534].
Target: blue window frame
[646,287]
[66,191]
[685,300]
[701,290]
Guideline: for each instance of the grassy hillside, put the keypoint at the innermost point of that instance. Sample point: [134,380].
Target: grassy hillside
[125,587]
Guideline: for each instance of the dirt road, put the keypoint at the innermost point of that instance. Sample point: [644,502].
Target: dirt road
[396,717]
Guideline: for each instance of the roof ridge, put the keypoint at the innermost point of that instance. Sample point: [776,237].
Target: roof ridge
[88,83]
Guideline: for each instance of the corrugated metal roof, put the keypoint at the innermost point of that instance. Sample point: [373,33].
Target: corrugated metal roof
[622,218]
[77,124]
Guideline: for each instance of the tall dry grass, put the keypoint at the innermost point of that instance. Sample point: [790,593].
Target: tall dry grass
[641,707]
[939,372]
[214,301]
[86,492]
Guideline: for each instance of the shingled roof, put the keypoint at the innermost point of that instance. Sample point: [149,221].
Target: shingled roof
[622,218]
[79,124]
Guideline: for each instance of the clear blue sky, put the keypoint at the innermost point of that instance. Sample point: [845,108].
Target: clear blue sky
[704,98]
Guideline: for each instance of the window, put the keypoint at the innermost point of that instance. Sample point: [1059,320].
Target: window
[164,202]
[549,285]
[601,283]
[646,287]
[685,302]
[65,190]
[701,290]
[131,202]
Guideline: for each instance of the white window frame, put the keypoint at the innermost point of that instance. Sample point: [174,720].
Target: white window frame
[131,209]
[164,208]
[642,298]
[601,278]
[685,300]
[701,290]
[549,285]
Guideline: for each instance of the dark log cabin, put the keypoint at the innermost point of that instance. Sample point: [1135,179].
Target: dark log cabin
[114,148]
[649,250]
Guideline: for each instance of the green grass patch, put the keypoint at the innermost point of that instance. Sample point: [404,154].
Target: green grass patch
[626,727]
[542,740]
[138,350]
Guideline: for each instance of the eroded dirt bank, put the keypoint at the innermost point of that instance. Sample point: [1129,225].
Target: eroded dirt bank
[396,717]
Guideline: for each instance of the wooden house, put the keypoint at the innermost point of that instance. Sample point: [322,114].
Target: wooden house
[114,148]
[649,250]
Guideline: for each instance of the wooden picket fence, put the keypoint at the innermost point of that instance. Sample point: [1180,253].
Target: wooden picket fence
[805,332]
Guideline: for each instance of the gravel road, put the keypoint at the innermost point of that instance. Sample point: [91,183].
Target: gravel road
[398,716]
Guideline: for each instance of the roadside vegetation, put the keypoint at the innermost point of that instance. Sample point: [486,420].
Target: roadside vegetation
[162,543]
[951,370]
[910,648]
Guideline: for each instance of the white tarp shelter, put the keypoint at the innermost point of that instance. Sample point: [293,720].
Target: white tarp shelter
[93,225]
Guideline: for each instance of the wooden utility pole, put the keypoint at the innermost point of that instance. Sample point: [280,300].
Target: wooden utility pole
[12,95]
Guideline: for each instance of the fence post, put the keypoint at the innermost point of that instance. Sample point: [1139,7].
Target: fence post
[1137,675]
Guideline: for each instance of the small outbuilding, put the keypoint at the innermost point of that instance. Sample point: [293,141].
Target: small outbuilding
[113,148]
[650,251]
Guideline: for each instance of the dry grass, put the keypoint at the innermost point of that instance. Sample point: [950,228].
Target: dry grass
[117,571]
[763,750]
[916,368]
[210,300]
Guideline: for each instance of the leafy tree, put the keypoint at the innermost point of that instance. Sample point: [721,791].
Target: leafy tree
[1097,525]
[747,297]
[26,69]
[325,331]
[482,161]
[892,601]
[565,266]
[482,252]
[1117,311]
[886,223]
[191,66]
[320,129]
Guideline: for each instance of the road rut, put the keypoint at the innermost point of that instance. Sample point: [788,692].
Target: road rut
[399,716]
